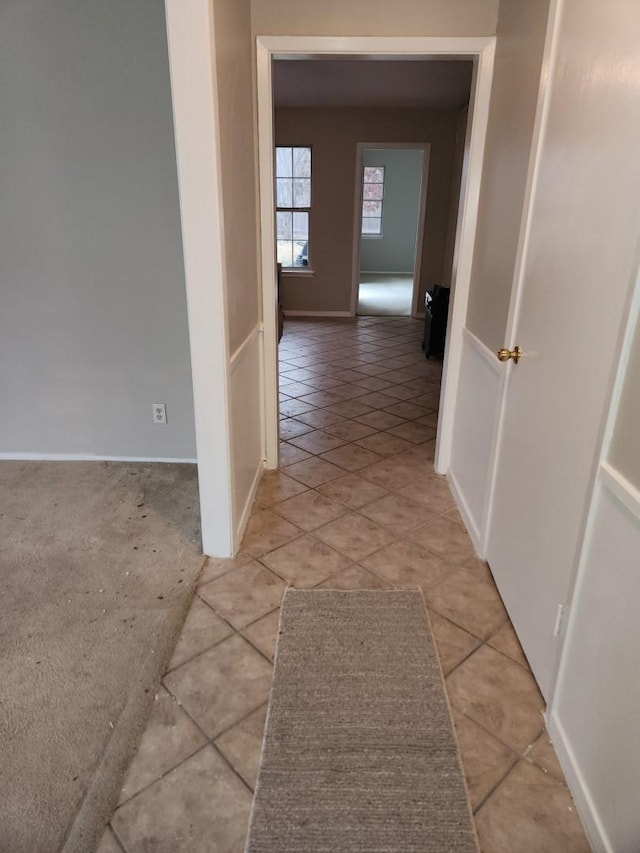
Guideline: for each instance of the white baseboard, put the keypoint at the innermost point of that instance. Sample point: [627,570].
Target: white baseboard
[579,790]
[246,512]
[87,457]
[318,314]
[386,272]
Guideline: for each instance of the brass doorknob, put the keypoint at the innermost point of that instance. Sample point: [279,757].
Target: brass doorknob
[506,354]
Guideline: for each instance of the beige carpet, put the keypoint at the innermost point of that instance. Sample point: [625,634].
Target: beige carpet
[359,752]
[98,562]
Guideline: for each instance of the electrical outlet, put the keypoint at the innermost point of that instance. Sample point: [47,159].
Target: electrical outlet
[159,413]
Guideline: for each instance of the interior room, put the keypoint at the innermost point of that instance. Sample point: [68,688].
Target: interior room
[340,109]
[391,189]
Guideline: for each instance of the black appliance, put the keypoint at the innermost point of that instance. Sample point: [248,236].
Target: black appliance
[435,321]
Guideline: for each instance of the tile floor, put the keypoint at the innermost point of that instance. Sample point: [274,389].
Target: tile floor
[356,504]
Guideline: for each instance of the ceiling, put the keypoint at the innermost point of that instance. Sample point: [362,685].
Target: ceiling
[410,84]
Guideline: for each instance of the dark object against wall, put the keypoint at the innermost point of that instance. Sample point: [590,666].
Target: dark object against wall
[435,321]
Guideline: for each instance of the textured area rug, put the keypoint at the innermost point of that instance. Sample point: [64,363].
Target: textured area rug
[359,751]
[98,562]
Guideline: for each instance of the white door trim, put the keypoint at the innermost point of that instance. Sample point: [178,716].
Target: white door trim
[361,147]
[482,50]
[197,136]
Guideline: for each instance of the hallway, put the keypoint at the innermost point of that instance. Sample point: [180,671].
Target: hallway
[356,504]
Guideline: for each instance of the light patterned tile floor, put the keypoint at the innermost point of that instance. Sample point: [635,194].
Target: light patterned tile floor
[356,504]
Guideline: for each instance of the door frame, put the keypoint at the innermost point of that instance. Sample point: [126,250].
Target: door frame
[481,50]
[361,147]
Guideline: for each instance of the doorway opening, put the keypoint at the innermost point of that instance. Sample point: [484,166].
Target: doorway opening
[391,194]
[322,276]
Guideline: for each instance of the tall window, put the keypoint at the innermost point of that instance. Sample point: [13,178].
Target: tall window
[293,201]
[372,196]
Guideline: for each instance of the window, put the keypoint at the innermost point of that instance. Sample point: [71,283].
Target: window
[372,195]
[293,201]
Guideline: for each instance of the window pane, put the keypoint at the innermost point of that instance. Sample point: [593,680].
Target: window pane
[284,162]
[284,225]
[300,253]
[372,190]
[285,253]
[301,226]
[374,174]
[372,208]
[302,192]
[284,195]
[302,162]
[293,197]
[371,225]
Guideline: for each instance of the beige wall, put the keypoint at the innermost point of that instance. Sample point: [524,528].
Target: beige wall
[237,137]
[374,17]
[333,135]
[520,43]
[454,198]
[234,62]
[624,453]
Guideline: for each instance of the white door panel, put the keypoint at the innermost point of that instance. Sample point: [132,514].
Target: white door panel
[583,228]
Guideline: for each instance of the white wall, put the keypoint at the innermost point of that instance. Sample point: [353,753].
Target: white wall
[474,433]
[93,324]
[594,723]
[596,707]
[395,250]
[247,436]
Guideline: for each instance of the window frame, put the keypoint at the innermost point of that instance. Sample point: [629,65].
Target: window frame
[372,235]
[303,268]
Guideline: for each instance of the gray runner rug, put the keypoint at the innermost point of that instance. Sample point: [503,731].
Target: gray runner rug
[359,752]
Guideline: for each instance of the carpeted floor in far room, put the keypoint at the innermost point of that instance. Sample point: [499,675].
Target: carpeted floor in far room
[385,294]
[356,504]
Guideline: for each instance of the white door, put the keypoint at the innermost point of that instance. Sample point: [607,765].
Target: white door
[576,277]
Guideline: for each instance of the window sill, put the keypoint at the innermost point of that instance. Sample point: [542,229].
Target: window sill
[371,236]
[297,271]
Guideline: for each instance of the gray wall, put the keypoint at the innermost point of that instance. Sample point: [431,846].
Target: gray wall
[521,33]
[395,250]
[333,135]
[624,453]
[93,325]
